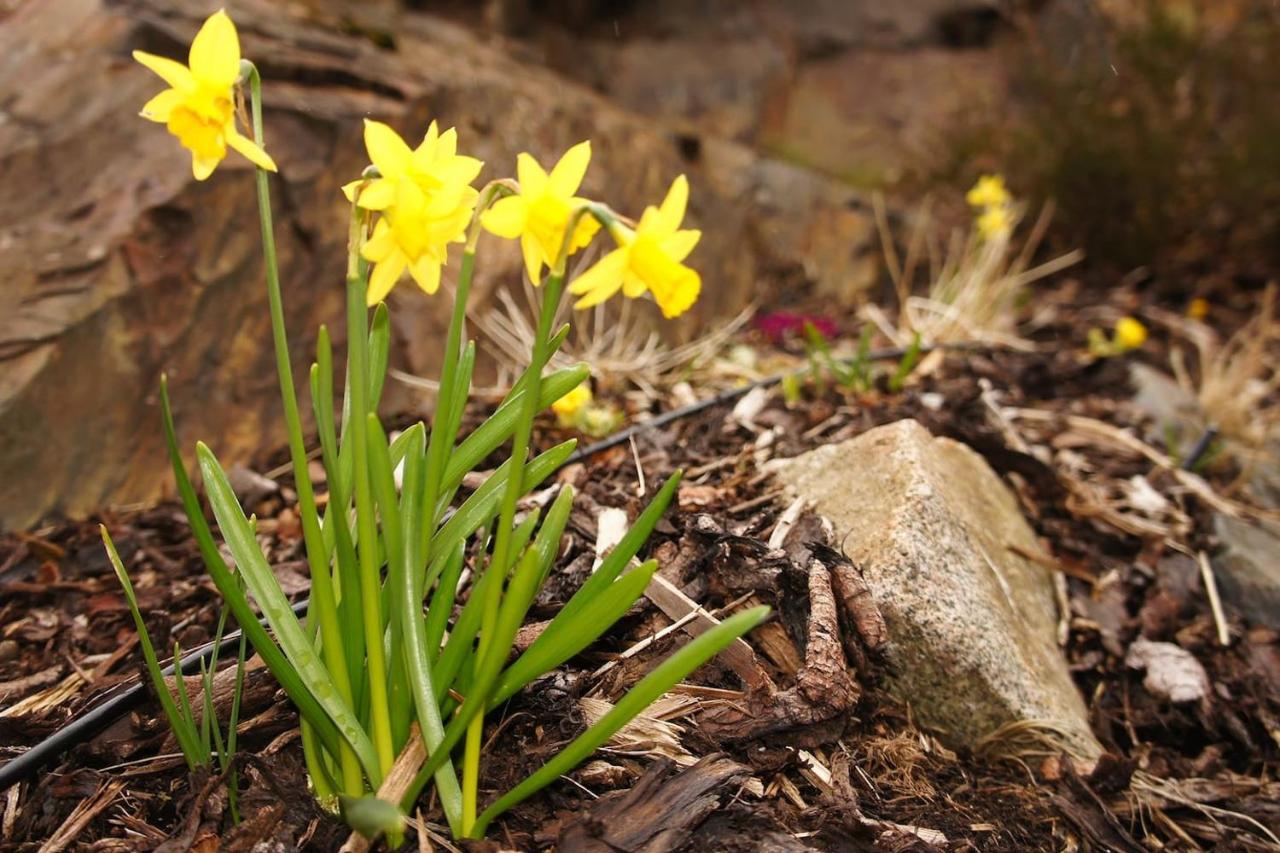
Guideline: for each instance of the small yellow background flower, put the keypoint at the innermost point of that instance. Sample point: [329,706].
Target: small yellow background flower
[539,214]
[989,191]
[648,259]
[1130,334]
[568,406]
[199,108]
[426,200]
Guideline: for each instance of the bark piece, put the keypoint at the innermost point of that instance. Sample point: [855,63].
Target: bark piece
[657,814]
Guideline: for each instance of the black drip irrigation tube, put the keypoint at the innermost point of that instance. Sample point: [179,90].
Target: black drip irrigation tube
[99,717]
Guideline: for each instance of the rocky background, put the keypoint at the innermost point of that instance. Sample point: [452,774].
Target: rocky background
[117,265]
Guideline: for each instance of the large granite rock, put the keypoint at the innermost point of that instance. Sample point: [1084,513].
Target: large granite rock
[116,265]
[1247,568]
[971,623]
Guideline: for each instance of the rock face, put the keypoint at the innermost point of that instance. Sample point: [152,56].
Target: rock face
[116,265]
[1248,568]
[971,623]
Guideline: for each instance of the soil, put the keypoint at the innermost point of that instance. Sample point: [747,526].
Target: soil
[851,775]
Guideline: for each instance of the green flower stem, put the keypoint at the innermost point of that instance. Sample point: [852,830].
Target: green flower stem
[441,445]
[317,555]
[501,559]
[367,538]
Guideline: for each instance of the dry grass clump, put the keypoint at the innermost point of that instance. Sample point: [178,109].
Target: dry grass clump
[1238,380]
[977,280]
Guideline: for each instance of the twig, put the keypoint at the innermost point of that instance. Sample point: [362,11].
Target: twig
[1215,603]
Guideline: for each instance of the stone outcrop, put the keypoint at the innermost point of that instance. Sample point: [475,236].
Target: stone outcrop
[938,539]
[117,265]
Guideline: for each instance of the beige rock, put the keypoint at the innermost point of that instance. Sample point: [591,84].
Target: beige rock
[971,623]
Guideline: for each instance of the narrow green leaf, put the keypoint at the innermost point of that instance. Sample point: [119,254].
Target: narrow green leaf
[669,673]
[232,594]
[498,428]
[465,629]
[183,731]
[621,555]
[565,636]
[379,353]
[275,607]
[482,505]
[442,599]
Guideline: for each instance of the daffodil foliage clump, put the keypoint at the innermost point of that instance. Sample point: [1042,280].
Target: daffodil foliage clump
[381,670]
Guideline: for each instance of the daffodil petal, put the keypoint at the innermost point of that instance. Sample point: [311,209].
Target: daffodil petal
[532,178]
[250,149]
[381,244]
[671,213]
[378,194]
[174,73]
[587,228]
[605,274]
[598,294]
[680,244]
[203,167]
[447,144]
[385,275]
[506,217]
[676,295]
[633,286]
[426,272]
[386,149]
[567,175]
[159,107]
[215,52]
[532,258]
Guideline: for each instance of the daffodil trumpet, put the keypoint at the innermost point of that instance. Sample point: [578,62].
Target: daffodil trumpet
[385,658]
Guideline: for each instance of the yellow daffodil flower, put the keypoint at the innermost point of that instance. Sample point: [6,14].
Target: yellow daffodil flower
[426,201]
[989,191]
[199,106]
[995,222]
[648,259]
[568,406]
[1130,334]
[539,214]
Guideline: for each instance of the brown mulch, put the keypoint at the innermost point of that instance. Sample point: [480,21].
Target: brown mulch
[845,770]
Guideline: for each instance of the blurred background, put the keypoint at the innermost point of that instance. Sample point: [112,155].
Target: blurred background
[816,134]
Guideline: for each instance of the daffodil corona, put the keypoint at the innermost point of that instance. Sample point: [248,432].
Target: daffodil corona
[539,213]
[199,106]
[648,258]
[426,201]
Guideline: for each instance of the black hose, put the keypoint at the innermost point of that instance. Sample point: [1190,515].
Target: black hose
[82,728]
[102,715]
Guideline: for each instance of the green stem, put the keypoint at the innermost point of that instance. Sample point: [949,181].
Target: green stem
[317,556]
[440,444]
[501,558]
[367,538]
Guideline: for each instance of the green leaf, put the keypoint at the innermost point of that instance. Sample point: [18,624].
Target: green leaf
[565,637]
[621,555]
[498,428]
[442,599]
[275,607]
[469,621]
[183,729]
[371,816]
[669,673]
[234,596]
[379,353]
[906,365]
[482,505]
